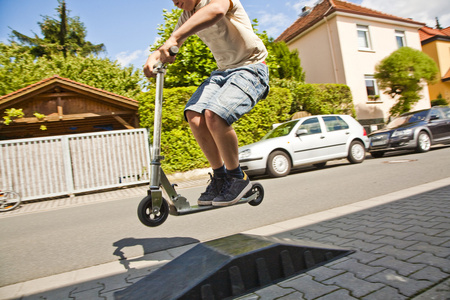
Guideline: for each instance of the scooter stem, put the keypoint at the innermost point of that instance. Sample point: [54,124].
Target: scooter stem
[156,151]
[160,70]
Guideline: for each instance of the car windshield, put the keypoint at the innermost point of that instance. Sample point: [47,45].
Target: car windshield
[281,130]
[409,118]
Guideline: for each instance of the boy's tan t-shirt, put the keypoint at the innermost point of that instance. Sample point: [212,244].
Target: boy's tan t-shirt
[232,40]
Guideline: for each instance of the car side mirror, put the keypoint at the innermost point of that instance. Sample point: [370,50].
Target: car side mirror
[301,132]
[434,117]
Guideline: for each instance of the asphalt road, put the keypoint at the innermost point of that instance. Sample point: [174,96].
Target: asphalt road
[52,242]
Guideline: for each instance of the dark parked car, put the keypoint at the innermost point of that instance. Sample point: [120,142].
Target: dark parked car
[414,130]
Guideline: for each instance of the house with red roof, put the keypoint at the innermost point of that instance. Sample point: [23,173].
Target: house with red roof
[64,107]
[436,43]
[341,42]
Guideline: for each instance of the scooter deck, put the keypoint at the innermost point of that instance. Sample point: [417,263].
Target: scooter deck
[200,208]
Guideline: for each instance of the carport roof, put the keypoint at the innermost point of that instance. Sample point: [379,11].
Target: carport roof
[44,84]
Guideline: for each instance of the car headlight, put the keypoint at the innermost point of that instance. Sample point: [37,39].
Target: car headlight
[404,132]
[245,153]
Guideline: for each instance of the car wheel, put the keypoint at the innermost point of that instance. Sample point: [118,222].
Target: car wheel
[423,142]
[356,153]
[378,154]
[278,164]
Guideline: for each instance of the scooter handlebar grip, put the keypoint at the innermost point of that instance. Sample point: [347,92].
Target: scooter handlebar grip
[173,50]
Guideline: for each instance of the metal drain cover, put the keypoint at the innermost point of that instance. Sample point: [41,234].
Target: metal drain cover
[229,267]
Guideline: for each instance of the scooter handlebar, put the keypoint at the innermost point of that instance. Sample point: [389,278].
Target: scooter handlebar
[172,51]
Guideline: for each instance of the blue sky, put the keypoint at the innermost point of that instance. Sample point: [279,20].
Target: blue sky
[128,28]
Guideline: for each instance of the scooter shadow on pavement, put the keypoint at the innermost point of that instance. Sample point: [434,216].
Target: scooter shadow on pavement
[149,245]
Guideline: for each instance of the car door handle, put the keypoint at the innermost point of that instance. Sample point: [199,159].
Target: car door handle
[347,133]
[322,137]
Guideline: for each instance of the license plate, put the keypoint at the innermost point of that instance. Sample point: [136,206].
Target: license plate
[379,143]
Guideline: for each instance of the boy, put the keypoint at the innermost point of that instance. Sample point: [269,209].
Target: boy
[231,91]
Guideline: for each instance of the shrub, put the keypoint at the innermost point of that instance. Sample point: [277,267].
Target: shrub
[439,101]
[319,99]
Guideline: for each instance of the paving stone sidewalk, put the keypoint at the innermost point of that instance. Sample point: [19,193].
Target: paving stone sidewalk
[401,243]
[402,252]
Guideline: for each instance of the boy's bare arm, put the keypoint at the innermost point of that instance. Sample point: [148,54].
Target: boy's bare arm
[204,18]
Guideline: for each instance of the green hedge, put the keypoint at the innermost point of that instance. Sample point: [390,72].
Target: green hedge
[178,145]
[319,99]
[274,109]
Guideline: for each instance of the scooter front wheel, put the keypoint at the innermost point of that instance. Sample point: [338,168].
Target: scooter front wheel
[257,189]
[146,214]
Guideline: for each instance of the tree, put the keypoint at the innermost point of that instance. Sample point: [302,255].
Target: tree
[438,25]
[402,75]
[283,63]
[65,35]
[19,68]
[195,61]
[193,64]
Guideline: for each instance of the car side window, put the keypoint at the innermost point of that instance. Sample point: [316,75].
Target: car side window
[334,123]
[446,111]
[436,113]
[311,125]
[419,116]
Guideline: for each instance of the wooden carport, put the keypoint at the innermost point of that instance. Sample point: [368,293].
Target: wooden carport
[69,107]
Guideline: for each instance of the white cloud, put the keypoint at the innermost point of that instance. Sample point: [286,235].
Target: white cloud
[137,57]
[125,58]
[424,11]
[274,24]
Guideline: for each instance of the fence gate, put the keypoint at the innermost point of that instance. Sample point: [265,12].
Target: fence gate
[60,165]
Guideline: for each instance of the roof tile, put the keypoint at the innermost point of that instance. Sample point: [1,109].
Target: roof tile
[328,7]
[426,33]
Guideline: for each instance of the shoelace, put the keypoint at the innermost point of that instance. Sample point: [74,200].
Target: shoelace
[211,186]
[226,186]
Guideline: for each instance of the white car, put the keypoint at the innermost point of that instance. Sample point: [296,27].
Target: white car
[312,140]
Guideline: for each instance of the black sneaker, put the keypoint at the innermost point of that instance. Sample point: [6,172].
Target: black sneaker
[212,190]
[232,191]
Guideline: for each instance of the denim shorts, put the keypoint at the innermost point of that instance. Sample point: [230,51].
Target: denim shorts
[231,93]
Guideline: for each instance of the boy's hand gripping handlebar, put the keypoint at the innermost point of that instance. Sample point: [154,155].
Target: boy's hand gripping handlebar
[160,65]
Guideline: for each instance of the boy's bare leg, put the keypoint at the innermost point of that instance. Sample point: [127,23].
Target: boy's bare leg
[225,138]
[216,138]
[204,138]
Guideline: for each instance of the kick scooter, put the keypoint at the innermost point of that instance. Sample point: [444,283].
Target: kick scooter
[154,209]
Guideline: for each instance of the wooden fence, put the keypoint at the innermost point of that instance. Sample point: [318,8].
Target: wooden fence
[69,164]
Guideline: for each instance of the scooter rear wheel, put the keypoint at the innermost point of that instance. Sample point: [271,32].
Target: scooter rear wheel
[146,214]
[259,190]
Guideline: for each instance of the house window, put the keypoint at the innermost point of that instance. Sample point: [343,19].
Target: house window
[400,38]
[363,38]
[371,88]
